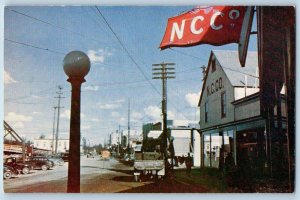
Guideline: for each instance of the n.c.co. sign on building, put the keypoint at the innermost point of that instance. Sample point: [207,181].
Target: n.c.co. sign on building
[215,86]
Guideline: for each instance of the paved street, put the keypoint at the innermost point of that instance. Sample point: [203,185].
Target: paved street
[96,176]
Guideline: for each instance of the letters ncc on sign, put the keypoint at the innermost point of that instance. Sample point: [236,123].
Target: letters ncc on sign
[215,86]
[216,25]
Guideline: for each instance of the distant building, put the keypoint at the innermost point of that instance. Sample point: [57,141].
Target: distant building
[49,144]
[115,138]
[151,127]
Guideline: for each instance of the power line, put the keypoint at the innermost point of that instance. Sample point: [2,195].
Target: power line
[33,46]
[127,52]
[186,54]
[53,25]
[26,96]
[131,58]
[97,23]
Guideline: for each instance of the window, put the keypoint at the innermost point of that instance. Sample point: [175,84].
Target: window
[206,111]
[223,104]
[213,65]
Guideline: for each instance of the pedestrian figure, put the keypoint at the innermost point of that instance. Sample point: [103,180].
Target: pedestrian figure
[172,152]
[188,164]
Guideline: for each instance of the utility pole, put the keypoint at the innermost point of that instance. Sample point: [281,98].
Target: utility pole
[53,133]
[58,113]
[119,139]
[128,122]
[164,73]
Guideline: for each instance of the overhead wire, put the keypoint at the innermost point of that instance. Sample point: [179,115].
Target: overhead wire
[126,50]
[131,57]
[34,46]
[54,25]
[186,54]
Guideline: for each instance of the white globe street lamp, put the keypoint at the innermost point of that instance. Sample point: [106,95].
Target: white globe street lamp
[76,65]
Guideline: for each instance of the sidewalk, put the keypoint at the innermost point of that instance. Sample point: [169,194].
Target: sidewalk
[215,182]
[210,179]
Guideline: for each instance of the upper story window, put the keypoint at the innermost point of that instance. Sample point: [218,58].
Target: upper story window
[206,112]
[223,104]
[213,65]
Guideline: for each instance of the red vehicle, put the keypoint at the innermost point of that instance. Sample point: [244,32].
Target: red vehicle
[21,167]
[9,171]
[40,162]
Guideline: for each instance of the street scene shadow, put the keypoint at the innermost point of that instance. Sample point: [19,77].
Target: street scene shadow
[123,178]
[167,186]
[125,171]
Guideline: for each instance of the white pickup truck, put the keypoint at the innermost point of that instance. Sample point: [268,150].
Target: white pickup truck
[148,164]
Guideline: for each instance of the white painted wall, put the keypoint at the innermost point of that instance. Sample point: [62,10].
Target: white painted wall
[197,149]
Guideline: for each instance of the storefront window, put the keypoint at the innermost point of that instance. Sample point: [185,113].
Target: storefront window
[216,144]
[215,153]
[206,151]
[229,149]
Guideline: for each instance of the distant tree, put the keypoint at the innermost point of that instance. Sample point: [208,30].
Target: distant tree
[98,148]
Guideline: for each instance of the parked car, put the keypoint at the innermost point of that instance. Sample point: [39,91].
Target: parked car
[20,166]
[9,171]
[65,157]
[56,160]
[40,162]
[90,155]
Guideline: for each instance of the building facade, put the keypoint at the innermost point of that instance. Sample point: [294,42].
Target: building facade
[231,122]
[49,144]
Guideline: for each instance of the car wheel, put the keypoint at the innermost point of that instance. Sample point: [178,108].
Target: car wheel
[7,175]
[25,170]
[44,167]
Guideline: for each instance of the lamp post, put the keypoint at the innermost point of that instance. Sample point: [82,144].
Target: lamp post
[76,65]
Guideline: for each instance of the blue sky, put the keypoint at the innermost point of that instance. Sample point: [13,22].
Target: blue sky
[33,75]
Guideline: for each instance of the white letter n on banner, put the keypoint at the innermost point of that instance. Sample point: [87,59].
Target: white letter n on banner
[179,32]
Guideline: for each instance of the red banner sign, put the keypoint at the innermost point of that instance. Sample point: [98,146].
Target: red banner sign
[215,25]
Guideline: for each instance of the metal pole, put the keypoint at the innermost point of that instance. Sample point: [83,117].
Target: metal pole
[128,123]
[53,129]
[58,113]
[74,161]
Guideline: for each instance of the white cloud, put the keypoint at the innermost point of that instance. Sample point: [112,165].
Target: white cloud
[8,79]
[18,125]
[35,96]
[122,119]
[36,113]
[136,116]
[192,99]
[93,119]
[171,115]
[98,56]
[87,127]
[115,114]
[14,117]
[92,88]
[109,106]
[154,112]
[66,114]
[120,101]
